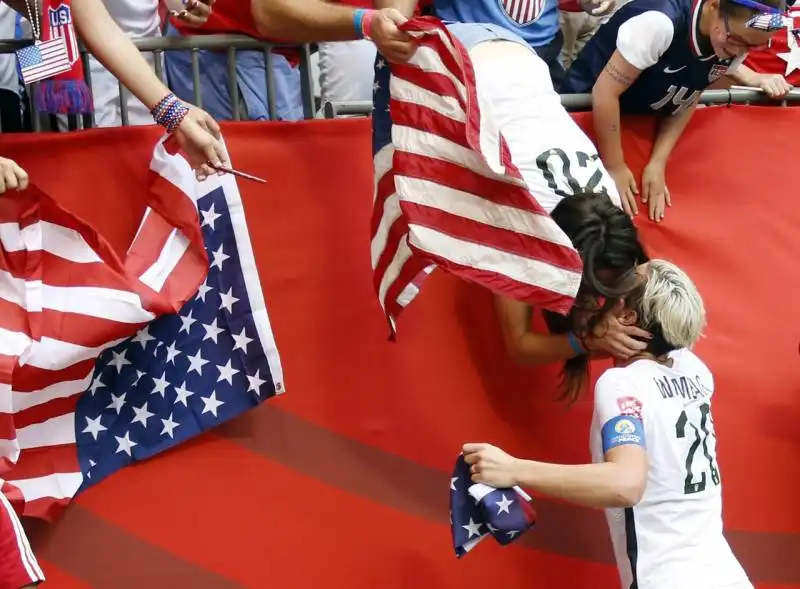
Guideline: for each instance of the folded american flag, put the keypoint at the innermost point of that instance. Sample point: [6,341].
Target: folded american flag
[446,191]
[79,397]
[478,510]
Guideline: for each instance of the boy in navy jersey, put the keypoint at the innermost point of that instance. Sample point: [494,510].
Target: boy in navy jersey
[657,56]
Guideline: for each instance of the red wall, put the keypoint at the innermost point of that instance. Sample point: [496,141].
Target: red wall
[342,482]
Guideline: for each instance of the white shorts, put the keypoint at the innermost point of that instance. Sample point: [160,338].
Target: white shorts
[551,151]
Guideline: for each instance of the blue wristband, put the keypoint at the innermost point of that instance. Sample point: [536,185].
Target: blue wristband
[575,344]
[358,19]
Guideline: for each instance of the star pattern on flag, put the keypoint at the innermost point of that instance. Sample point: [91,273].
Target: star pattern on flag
[791,57]
[181,374]
[477,511]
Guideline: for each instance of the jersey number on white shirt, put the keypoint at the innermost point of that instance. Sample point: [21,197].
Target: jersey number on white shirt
[696,426]
[587,164]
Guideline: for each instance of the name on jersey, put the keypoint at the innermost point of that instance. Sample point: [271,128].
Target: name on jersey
[683,387]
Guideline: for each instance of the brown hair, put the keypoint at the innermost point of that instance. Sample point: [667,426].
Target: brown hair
[609,245]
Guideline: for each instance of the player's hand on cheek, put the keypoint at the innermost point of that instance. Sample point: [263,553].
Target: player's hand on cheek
[490,465]
[620,341]
[626,186]
[654,191]
[12,177]
[774,85]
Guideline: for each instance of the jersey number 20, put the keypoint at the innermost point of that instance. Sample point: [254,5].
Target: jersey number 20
[698,428]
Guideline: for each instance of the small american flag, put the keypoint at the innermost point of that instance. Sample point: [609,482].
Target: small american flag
[43,60]
[478,510]
[446,191]
[768,22]
[80,397]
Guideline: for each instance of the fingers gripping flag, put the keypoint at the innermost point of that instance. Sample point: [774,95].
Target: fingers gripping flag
[446,191]
[478,510]
[79,397]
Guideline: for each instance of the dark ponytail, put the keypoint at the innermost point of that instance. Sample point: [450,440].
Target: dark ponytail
[608,243]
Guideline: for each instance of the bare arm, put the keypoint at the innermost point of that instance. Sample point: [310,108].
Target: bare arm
[115,51]
[407,7]
[669,131]
[618,482]
[615,78]
[524,345]
[304,21]
[745,76]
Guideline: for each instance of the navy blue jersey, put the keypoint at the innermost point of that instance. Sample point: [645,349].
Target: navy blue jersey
[686,68]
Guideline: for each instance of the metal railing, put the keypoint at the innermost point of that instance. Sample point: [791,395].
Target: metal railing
[583,102]
[232,44]
[158,46]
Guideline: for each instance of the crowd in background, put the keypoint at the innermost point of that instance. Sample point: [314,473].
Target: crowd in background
[342,71]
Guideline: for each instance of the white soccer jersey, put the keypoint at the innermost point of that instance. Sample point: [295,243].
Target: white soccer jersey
[553,154]
[672,539]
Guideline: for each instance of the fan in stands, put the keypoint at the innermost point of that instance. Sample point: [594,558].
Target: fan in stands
[309,21]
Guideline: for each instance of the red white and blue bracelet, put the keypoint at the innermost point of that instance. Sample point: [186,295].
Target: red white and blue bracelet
[169,112]
[362,23]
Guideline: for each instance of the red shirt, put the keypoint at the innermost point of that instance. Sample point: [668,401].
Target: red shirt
[767,60]
[228,16]
[569,6]
[236,16]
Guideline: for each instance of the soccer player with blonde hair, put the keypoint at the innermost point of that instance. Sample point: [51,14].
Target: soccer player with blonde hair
[653,446]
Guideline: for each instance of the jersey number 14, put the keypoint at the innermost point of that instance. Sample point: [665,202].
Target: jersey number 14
[700,466]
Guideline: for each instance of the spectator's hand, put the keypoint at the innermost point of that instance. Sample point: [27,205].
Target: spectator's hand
[490,465]
[774,85]
[201,142]
[626,186]
[655,193]
[612,337]
[394,44]
[195,13]
[601,8]
[12,177]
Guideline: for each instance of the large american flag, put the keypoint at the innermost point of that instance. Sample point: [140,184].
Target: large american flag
[446,191]
[80,397]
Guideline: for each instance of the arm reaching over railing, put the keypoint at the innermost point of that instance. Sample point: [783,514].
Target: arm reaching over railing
[196,131]
[305,21]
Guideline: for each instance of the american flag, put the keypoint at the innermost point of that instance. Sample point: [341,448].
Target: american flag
[446,191]
[478,510]
[81,398]
[769,22]
[43,60]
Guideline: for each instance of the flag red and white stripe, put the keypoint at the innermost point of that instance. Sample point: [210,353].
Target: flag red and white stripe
[447,193]
[65,296]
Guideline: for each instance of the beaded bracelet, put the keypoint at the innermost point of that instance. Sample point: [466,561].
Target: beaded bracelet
[169,112]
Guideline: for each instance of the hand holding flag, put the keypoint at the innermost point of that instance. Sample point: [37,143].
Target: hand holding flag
[478,510]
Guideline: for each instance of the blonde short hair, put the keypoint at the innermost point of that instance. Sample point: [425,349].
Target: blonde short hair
[671,301]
